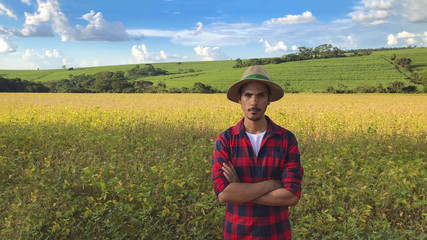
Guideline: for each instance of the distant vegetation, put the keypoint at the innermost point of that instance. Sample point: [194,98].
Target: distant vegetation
[104,82]
[18,85]
[324,68]
[305,53]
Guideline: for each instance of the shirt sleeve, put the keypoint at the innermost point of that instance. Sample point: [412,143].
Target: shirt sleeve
[293,171]
[221,155]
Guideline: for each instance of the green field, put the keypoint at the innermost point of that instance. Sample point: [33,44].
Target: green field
[137,166]
[303,76]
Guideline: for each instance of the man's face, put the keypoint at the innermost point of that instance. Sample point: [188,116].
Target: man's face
[254,100]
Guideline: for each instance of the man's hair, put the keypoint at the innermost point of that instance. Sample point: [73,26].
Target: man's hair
[241,89]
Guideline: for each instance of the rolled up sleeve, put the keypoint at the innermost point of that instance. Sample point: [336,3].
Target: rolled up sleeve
[293,171]
[220,156]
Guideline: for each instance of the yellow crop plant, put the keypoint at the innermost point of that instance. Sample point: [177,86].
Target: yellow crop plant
[120,166]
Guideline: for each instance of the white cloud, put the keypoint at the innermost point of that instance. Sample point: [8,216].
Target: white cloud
[306,17]
[391,40]
[208,53]
[6,46]
[351,42]
[411,38]
[405,34]
[377,4]
[411,41]
[6,11]
[373,17]
[3,31]
[218,34]
[94,63]
[141,54]
[44,59]
[280,47]
[151,32]
[83,63]
[40,24]
[199,28]
[373,12]
[49,16]
[414,10]
[28,2]
[99,30]
[294,48]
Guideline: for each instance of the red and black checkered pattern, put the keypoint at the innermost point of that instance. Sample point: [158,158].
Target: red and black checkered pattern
[278,158]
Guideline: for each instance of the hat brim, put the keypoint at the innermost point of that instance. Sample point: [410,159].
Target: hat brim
[276,91]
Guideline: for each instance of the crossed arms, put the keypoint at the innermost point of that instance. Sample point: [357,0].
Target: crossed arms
[269,192]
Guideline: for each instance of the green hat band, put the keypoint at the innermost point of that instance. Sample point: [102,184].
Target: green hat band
[257,76]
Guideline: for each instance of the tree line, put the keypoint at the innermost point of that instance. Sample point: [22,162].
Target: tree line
[304,53]
[394,87]
[18,85]
[105,82]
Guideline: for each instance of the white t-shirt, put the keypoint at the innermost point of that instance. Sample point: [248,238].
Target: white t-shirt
[256,140]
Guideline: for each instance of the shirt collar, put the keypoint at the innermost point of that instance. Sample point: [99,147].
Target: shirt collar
[272,128]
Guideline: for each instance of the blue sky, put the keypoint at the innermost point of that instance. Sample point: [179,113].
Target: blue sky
[48,34]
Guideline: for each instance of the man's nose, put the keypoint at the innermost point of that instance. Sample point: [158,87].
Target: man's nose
[254,100]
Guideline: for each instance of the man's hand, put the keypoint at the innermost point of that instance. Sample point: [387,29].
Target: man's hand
[237,192]
[270,192]
[230,173]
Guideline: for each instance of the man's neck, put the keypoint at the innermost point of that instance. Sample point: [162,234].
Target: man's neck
[255,127]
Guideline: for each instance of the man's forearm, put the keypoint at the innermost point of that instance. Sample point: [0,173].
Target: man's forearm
[277,197]
[237,192]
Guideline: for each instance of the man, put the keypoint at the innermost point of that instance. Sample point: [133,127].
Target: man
[256,166]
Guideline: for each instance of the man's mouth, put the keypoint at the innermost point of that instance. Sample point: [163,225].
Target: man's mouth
[254,109]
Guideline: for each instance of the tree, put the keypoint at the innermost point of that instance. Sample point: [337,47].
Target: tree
[305,53]
[403,62]
[336,52]
[18,85]
[202,88]
[323,51]
[396,87]
[148,70]
[239,63]
[419,78]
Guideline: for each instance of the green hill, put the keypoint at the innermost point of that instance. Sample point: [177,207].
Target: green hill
[304,76]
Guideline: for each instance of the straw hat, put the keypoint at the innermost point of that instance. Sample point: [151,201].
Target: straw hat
[258,74]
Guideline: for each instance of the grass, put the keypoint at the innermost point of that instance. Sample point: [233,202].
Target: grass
[304,76]
[138,165]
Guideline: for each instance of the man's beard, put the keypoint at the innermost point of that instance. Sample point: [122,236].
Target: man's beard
[254,118]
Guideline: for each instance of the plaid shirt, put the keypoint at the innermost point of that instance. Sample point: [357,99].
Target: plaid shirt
[278,158]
